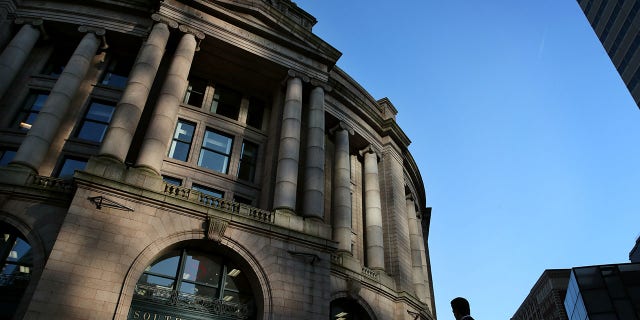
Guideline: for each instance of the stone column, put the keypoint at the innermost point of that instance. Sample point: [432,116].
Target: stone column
[373,210]
[342,189]
[163,121]
[128,111]
[289,152]
[426,264]
[415,238]
[38,140]
[313,201]
[16,53]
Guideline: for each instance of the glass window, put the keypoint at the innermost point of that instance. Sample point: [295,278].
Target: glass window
[208,191]
[181,143]
[6,156]
[216,151]
[69,166]
[31,108]
[243,200]
[57,61]
[255,113]
[248,160]
[226,102]
[195,92]
[96,121]
[17,264]
[172,180]
[117,71]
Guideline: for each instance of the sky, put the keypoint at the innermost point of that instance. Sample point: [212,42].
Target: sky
[524,133]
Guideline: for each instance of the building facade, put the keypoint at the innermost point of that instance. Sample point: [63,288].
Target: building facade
[604,292]
[199,159]
[617,24]
[545,301]
[634,254]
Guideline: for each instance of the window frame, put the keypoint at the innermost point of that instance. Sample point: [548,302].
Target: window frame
[175,140]
[85,119]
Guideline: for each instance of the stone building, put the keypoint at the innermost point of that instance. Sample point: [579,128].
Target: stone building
[546,299]
[199,159]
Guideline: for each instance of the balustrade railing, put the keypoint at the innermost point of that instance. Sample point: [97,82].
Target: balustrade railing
[370,273]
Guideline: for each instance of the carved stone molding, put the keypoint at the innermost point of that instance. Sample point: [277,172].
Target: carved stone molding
[216,229]
[369,149]
[195,32]
[342,126]
[162,19]
[36,22]
[297,74]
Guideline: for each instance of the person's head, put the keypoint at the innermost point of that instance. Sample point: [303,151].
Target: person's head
[460,307]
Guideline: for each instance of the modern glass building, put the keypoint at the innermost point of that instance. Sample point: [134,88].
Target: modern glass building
[617,24]
[605,292]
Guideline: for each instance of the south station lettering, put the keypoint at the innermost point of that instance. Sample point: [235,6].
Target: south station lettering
[145,315]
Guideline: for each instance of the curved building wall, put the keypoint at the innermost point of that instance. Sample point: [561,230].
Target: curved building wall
[137,127]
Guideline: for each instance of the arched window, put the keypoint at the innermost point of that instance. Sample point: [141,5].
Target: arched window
[188,283]
[17,264]
[347,309]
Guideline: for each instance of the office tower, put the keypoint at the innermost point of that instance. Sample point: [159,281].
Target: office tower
[545,301]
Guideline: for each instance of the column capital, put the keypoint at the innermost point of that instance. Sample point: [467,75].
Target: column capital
[36,22]
[99,32]
[199,35]
[410,197]
[341,126]
[297,74]
[162,19]
[322,84]
[369,149]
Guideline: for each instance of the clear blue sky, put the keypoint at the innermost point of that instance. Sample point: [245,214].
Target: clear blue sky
[525,135]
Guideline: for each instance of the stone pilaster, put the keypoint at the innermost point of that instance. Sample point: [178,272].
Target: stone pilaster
[15,54]
[38,140]
[289,151]
[426,265]
[313,197]
[373,211]
[342,188]
[396,226]
[415,237]
[163,121]
[129,109]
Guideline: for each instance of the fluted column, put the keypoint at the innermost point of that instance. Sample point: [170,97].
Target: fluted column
[163,121]
[129,109]
[342,189]
[313,201]
[415,239]
[289,152]
[16,53]
[373,210]
[38,140]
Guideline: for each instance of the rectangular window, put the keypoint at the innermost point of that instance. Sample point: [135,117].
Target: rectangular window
[31,107]
[6,155]
[226,102]
[181,143]
[248,160]
[117,72]
[69,166]
[216,151]
[172,180]
[195,92]
[208,191]
[96,121]
[242,200]
[255,113]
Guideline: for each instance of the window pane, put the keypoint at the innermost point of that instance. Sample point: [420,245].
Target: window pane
[117,71]
[100,112]
[159,281]
[6,157]
[92,131]
[199,290]
[184,131]
[21,253]
[181,143]
[167,266]
[208,191]
[179,150]
[247,167]
[217,142]
[195,92]
[202,269]
[69,166]
[255,113]
[213,161]
[172,180]
[226,102]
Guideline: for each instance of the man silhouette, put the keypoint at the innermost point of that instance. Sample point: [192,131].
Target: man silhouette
[461,310]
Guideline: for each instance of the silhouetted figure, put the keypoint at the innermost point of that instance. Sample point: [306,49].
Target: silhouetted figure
[461,310]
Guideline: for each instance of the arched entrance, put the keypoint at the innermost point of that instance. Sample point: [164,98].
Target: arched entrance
[348,309]
[193,281]
[16,258]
